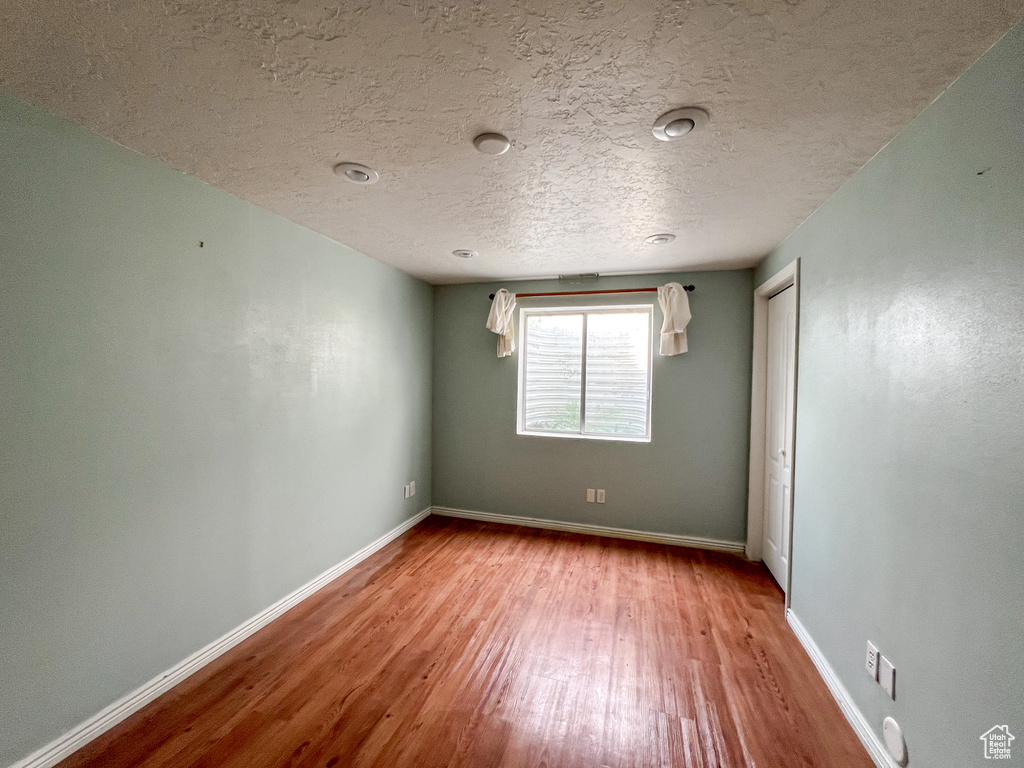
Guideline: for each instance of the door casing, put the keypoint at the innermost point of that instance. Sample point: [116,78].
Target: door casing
[788,276]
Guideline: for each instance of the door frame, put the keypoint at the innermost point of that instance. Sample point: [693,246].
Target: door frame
[788,276]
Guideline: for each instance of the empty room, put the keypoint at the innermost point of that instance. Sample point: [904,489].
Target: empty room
[500,384]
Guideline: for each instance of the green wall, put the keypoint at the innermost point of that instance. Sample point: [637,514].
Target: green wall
[909,497]
[691,479]
[188,434]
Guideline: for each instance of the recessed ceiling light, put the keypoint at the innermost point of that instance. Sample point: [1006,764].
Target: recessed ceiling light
[679,127]
[492,143]
[464,254]
[356,173]
[661,239]
[679,122]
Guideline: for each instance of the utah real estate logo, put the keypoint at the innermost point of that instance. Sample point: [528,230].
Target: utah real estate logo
[997,742]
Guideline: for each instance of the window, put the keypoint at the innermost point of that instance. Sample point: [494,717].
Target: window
[586,372]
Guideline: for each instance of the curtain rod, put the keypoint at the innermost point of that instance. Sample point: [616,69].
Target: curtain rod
[590,293]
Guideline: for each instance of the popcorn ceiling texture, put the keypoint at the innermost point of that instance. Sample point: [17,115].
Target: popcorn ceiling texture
[262,98]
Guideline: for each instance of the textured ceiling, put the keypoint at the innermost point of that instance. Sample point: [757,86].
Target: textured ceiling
[262,98]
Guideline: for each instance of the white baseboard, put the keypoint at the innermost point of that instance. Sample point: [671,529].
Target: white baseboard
[736,547]
[82,734]
[863,729]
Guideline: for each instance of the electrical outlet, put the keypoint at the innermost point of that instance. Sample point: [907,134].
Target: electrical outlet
[871,663]
[600,495]
[406,489]
[412,488]
[887,676]
[590,495]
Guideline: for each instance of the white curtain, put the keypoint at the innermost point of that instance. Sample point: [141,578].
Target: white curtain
[500,320]
[675,306]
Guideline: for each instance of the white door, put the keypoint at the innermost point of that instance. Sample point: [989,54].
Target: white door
[778,492]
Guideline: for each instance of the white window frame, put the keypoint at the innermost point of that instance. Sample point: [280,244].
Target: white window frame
[524,313]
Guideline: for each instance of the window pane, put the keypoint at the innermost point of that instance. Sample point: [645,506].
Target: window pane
[554,357]
[618,350]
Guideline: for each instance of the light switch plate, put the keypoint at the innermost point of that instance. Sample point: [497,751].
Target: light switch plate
[406,489]
[887,676]
[590,495]
[412,488]
[871,662]
[600,495]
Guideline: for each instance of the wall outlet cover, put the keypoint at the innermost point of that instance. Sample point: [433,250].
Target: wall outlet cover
[600,495]
[871,662]
[887,676]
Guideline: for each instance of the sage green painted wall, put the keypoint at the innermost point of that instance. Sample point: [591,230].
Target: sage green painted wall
[188,434]
[690,479]
[909,497]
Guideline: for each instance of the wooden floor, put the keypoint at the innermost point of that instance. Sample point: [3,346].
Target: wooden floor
[467,644]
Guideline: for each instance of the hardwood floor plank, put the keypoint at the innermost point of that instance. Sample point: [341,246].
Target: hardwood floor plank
[466,645]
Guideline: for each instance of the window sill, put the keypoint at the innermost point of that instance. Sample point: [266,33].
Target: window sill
[579,436]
